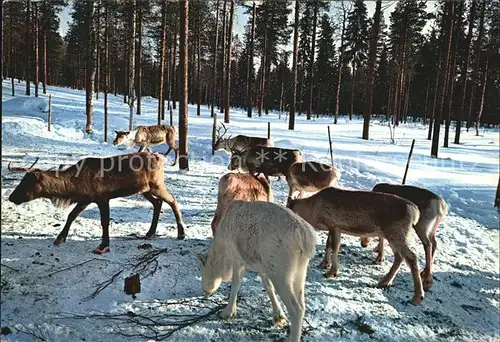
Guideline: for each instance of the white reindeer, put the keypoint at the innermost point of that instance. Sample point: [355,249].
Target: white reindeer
[271,240]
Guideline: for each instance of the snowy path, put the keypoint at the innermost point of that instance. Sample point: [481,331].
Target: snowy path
[463,303]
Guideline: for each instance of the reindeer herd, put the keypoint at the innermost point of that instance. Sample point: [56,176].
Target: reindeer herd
[250,231]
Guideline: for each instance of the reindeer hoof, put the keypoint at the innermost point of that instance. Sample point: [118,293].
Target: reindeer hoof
[181,237]
[330,275]
[58,241]
[416,300]
[383,284]
[101,250]
[148,236]
[279,322]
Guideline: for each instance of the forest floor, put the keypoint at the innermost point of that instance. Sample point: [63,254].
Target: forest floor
[60,293]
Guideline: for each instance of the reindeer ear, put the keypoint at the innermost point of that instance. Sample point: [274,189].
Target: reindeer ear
[202,259]
[289,201]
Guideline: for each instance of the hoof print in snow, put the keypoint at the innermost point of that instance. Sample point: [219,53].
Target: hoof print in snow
[145,246]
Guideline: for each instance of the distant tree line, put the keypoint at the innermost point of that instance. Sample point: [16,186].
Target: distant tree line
[342,61]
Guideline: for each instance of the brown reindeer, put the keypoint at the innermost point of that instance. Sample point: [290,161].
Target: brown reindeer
[239,143]
[240,186]
[97,180]
[364,213]
[271,161]
[433,210]
[310,177]
[146,136]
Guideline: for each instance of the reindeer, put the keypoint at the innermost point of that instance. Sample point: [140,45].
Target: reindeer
[97,180]
[271,161]
[239,142]
[310,177]
[271,240]
[364,213]
[240,186]
[146,136]
[433,210]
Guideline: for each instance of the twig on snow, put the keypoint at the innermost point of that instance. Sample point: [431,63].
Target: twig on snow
[10,268]
[71,267]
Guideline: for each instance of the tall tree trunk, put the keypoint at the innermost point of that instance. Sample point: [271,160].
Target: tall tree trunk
[263,72]
[341,57]
[483,92]
[465,71]
[198,67]
[372,56]
[12,67]
[44,47]
[250,62]
[477,55]
[351,111]
[223,58]
[291,121]
[138,57]
[89,103]
[107,74]
[426,104]
[173,74]
[29,48]
[227,95]
[437,121]
[36,55]
[161,101]
[131,67]
[214,60]
[311,67]
[98,53]
[451,81]
[183,101]
[434,102]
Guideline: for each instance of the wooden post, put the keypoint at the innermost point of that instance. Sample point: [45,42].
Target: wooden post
[408,162]
[50,110]
[171,116]
[497,196]
[213,132]
[268,130]
[330,141]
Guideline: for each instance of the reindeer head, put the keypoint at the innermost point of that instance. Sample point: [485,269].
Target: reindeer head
[215,269]
[121,137]
[237,160]
[29,188]
[220,142]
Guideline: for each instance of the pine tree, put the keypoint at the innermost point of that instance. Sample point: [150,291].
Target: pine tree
[293,103]
[250,61]
[183,70]
[28,47]
[356,43]
[371,69]
[91,71]
[325,65]
[227,98]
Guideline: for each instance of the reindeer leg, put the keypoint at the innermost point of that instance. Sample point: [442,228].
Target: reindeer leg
[172,202]
[176,150]
[335,247]
[156,202]
[168,151]
[104,246]
[71,217]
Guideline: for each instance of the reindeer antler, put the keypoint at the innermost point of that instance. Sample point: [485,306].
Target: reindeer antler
[219,129]
[22,169]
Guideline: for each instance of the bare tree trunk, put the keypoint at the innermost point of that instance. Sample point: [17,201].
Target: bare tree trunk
[465,71]
[173,75]
[214,60]
[227,96]
[291,120]
[263,72]
[36,55]
[434,104]
[97,46]
[475,79]
[198,67]
[138,57]
[341,57]
[131,67]
[29,50]
[352,89]
[437,122]
[161,101]
[426,104]
[223,58]
[250,62]
[311,67]
[107,74]
[372,56]
[483,92]
[89,103]
[12,67]
[183,101]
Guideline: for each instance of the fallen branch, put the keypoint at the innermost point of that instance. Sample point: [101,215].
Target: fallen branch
[10,268]
[103,285]
[71,267]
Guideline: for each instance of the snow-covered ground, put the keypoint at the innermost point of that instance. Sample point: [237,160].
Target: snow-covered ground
[36,301]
